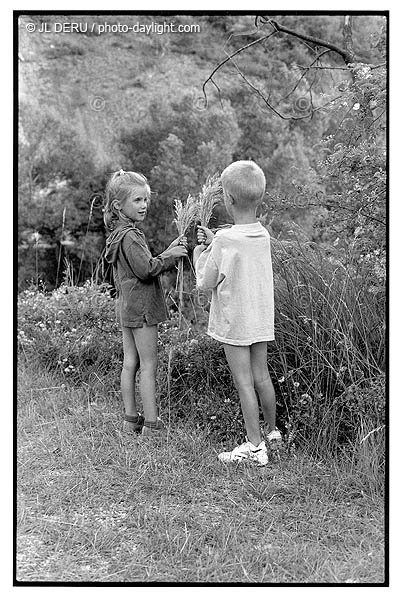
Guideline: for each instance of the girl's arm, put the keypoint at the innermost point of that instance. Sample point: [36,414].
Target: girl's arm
[143,264]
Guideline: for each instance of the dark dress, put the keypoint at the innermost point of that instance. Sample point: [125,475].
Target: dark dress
[136,276]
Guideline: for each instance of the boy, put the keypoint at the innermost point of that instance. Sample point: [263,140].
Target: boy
[236,265]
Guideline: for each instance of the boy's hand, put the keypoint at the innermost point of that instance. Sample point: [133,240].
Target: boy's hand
[180,240]
[204,235]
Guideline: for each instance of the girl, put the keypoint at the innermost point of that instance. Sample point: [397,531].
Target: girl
[140,304]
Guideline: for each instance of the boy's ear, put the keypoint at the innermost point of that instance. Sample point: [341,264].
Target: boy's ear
[230,198]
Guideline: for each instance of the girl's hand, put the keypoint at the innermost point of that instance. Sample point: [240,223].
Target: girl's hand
[178,251]
[180,240]
[204,235]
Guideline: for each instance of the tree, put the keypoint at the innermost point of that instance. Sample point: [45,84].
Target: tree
[325,94]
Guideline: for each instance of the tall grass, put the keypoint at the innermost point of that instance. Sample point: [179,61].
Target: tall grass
[330,339]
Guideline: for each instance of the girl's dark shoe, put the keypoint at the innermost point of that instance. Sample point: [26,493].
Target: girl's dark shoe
[151,428]
[133,424]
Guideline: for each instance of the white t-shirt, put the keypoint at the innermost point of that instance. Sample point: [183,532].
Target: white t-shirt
[237,267]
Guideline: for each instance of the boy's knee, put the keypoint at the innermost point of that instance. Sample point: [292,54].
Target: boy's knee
[130,364]
[149,366]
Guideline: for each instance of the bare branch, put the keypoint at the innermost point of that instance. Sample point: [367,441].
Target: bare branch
[266,100]
[314,40]
[210,78]
[305,71]
[348,37]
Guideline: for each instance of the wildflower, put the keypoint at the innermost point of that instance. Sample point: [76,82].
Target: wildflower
[356,106]
[296,384]
[213,417]
[281,380]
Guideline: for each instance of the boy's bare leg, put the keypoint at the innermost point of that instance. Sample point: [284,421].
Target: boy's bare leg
[263,383]
[146,344]
[238,358]
[128,374]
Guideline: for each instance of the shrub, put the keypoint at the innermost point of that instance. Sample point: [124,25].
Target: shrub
[72,331]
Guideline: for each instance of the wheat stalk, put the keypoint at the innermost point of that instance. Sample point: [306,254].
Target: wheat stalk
[185,214]
[209,197]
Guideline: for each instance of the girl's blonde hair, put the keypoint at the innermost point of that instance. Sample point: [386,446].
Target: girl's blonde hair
[118,189]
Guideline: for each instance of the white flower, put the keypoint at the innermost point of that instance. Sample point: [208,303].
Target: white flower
[356,106]
[281,380]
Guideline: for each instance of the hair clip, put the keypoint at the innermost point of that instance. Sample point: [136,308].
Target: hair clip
[121,172]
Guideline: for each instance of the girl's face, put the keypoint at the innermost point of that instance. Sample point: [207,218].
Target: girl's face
[135,206]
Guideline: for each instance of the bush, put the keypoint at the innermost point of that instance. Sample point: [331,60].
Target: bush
[72,331]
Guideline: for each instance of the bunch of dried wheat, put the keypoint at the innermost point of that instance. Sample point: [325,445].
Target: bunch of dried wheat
[210,195]
[185,214]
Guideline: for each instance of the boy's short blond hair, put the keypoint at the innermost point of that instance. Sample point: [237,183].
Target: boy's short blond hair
[245,182]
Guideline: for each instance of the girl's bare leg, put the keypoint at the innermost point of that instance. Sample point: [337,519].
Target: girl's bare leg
[128,374]
[238,358]
[263,383]
[146,344]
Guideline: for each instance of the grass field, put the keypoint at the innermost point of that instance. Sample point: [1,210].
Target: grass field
[97,506]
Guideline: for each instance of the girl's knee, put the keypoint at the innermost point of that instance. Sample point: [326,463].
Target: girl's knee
[149,366]
[243,381]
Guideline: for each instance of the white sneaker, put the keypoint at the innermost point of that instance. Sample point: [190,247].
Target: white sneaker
[246,452]
[275,436]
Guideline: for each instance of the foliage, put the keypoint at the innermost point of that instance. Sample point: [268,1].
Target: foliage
[72,331]
[326,172]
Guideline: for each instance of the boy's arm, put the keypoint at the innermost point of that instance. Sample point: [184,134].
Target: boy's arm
[197,251]
[208,267]
[204,238]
